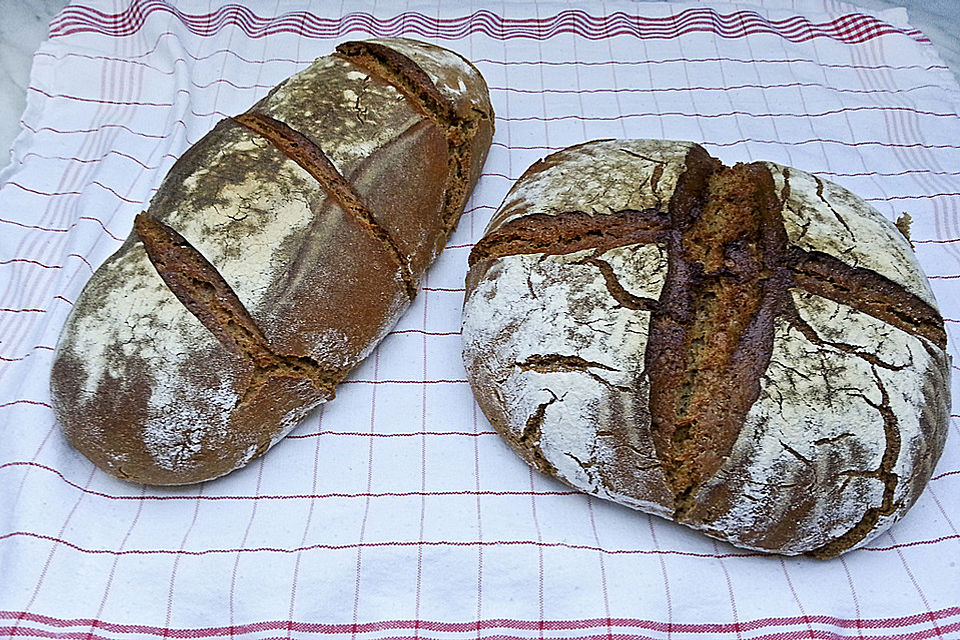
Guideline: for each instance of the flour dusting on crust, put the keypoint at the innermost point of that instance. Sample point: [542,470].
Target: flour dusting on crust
[842,407]
[506,347]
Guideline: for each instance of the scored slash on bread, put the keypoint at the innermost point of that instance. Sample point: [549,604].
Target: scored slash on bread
[276,254]
[308,155]
[748,350]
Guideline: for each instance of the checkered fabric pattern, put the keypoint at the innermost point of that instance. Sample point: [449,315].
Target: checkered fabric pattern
[395,511]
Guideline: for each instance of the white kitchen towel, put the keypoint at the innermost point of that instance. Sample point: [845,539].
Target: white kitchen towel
[395,511]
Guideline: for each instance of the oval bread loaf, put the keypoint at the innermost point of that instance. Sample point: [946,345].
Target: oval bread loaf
[276,254]
[750,351]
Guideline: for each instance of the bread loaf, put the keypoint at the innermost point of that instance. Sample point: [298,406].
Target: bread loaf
[751,351]
[277,253]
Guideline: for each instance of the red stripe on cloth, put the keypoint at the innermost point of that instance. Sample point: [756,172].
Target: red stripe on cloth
[739,87]
[306,527]
[322,496]
[946,241]
[122,103]
[232,607]
[89,266]
[426,333]
[923,196]
[787,85]
[733,143]
[106,125]
[725,114]
[112,152]
[444,289]
[395,381]
[748,61]
[366,495]
[850,29]
[573,116]
[135,60]
[33,226]
[545,148]
[514,624]
[34,262]
[436,543]
[116,561]
[71,227]
[363,545]
[601,635]
[915,543]
[366,503]
[855,174]
[359,434]
[33,402]
[19,358]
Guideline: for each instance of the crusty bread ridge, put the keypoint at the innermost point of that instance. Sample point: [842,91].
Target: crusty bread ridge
[278,251]
[750,351]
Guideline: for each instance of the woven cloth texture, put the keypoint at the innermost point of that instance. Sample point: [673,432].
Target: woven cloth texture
[395,511]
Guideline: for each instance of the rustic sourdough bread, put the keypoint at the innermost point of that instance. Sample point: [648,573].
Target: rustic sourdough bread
[277,253]
[750,351]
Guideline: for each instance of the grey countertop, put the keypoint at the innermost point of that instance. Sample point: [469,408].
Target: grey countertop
[25,27]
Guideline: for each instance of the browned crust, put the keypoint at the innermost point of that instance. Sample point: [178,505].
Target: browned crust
[204,292]
[405,74]
[571,232]
[276,380]
[869,292]
[711,332]
[196,282]
[706,358]
[410,80]
[311,158]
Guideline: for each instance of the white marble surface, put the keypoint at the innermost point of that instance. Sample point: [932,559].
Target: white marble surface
[24,27]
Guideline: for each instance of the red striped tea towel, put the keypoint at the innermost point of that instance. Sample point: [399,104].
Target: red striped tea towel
[394,511]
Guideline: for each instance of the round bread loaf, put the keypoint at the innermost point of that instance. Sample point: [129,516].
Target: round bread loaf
[750,351]
[276,254]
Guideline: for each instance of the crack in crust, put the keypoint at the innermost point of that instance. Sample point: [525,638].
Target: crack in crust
[884,473]
[311,158]
[530,439]
[204,292]
[623,297]
[559,362]
[827,204]
[792,316]
[556,362]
